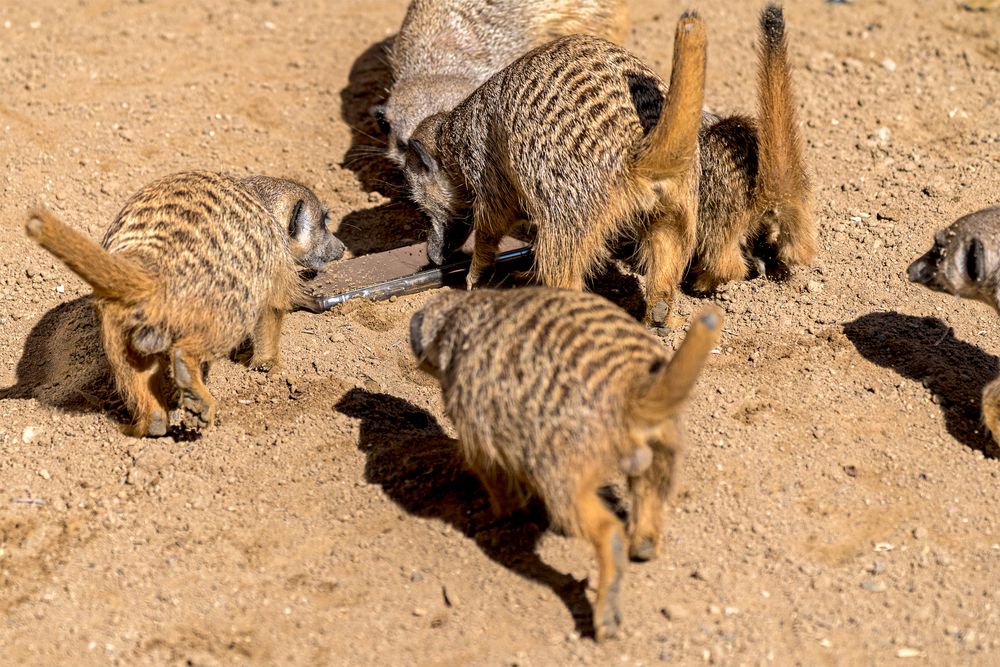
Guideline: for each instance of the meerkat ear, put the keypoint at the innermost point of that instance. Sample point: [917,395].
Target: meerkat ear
[430,164]
[295,220]
[378,113]
[975,260]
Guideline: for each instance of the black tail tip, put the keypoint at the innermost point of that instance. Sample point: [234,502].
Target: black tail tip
[772,24]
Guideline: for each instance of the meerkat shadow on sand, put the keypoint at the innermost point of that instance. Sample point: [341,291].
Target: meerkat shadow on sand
[418,465]
[926,349]
[389,225]
[63,364]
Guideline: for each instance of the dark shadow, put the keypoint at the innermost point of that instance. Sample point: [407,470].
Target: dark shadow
[926,349]
[394,224]
[419,467]
[622,288]
[63,364]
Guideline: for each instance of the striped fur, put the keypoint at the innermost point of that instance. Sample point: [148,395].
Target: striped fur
[446,48]
[965,261]
[192,266]
[583,140]
[755,200]
[553,393]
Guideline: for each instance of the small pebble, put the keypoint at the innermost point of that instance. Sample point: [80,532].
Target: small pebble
[873,586]
[920,533]
[908,653]
[28,434]
[814,286]
[889,65]
[674,612]
[44,474]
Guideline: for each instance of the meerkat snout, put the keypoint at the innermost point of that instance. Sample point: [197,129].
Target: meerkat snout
[964,258]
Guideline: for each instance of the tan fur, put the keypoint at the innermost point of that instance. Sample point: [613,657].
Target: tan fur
[555,392]
[755,200]
[586,143]
[446,48]
[193,265]
[965,261]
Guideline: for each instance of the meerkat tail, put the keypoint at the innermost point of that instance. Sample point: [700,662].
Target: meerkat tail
[782,190]
[673,140]
[673,383]
[111,276]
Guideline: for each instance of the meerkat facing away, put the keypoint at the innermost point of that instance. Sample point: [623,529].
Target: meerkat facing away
[446,48]
[586,143]
[755,200]
[965,261]
[193,265]
[553,392]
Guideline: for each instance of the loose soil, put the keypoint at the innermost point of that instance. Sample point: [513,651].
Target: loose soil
[839,498]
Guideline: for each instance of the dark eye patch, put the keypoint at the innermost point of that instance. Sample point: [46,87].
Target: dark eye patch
[293,221]
[975,261]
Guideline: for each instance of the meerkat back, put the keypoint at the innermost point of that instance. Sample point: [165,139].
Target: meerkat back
[555,392]
[194,264]
[446,48]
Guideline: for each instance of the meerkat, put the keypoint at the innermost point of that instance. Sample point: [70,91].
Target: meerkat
[446,48]
[583,141]
[553,393]
[965,261]
[754,196]
[193,265]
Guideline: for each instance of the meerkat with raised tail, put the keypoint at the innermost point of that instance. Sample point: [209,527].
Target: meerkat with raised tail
[587,144]
[194,264]
[965,261]
[754,196]
[553,393]
[446,48]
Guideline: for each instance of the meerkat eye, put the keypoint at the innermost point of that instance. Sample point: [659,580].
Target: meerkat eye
[975,260]
[401,146]
[378,113]
[293,221]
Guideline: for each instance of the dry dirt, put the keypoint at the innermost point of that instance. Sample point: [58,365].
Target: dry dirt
[839,502]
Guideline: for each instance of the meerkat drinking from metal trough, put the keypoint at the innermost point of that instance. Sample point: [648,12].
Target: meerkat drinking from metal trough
[192,266]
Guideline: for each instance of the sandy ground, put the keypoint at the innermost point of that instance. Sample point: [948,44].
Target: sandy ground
[839,501]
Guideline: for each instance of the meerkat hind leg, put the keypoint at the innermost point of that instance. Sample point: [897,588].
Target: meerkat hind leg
[195,398]
[266,341]
[605,532]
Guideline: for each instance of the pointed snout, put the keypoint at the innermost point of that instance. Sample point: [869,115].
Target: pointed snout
[334,249]
[921,271]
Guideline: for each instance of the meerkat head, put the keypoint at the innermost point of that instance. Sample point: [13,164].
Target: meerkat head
[964,259]
[426,326]
[434,191]
[305,218]
[412,100]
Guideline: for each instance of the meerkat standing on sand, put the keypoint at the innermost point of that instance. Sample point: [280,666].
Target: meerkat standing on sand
[586,143]
[447,48]
[194,264]
[965,261]
[755,201]
[553,393]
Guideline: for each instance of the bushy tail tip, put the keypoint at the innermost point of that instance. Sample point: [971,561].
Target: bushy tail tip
[772,25]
